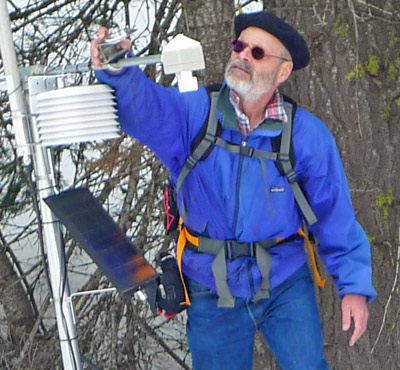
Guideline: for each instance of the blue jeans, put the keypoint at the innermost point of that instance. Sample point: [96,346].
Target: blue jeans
[289,320]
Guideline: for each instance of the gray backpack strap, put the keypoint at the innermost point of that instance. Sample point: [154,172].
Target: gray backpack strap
[264,264]
[246,150]
[218,266]
[205,143]
[233,249]
[288,168]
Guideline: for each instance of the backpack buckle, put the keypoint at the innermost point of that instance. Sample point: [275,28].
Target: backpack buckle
[234,249]
[228,249]
[291,176]
[246,150]
[191,161]
[253,246]
[210,138]
[284,157]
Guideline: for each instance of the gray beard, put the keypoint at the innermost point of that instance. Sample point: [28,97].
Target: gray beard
[247,89]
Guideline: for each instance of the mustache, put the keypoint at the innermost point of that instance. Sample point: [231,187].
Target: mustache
[242,65]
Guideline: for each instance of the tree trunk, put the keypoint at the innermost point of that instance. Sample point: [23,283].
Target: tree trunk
[352,84]
[17,308]
[210,22]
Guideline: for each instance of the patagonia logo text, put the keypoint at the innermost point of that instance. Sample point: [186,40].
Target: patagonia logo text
[277,189]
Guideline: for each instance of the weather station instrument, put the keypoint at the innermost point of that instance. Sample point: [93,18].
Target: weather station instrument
[46,114]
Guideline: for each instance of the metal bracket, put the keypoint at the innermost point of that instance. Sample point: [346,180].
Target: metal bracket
[38,84]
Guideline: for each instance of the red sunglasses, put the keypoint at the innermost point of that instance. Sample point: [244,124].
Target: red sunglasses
[257,52]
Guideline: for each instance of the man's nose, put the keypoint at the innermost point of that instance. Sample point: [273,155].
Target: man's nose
[245,54]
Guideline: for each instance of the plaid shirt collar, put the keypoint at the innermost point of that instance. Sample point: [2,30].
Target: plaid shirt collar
[275,110]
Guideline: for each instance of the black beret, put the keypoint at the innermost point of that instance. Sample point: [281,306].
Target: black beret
[283,31]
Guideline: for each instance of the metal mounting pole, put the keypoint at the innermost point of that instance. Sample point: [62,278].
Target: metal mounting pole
[14,86]
[43,168]
[40,70]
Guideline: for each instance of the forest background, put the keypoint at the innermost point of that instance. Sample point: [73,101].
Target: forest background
[352,84]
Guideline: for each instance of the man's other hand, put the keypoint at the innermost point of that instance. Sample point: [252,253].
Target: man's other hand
[354,307]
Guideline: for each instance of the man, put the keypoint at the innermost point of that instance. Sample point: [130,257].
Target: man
[244,201]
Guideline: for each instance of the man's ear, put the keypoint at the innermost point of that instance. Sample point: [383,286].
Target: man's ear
[285,71]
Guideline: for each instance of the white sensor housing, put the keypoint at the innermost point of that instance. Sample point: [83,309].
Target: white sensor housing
[182,56]
[77,114]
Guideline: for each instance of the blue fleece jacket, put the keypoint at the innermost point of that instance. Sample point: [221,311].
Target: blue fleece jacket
[225,195]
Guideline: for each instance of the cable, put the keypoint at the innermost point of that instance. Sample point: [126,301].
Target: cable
[36,209]
[64,284]
[33,189]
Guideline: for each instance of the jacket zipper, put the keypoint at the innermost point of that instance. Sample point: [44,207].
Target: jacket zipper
[238,180]
[236,215]
[251,279]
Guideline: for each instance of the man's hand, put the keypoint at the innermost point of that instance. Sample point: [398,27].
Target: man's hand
[104,33]
[354,306]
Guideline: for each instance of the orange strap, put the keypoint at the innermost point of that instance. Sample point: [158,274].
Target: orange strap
[183,237]
[318,280]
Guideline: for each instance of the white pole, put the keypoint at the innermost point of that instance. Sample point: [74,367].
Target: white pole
[45,179]
[43,167]
[14,86]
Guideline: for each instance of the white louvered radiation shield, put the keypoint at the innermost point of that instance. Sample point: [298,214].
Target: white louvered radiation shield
[77,114]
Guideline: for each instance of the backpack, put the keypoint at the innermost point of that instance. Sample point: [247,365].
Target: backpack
[283,156]
[282,153]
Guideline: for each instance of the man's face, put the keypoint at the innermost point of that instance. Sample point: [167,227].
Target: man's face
[250,77]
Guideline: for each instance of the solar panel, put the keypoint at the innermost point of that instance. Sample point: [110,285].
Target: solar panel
[103,240]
